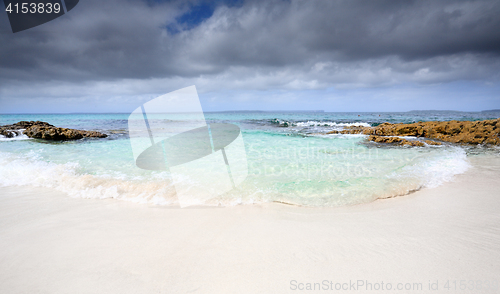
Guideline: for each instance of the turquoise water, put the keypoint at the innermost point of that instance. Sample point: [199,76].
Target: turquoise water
[290,159]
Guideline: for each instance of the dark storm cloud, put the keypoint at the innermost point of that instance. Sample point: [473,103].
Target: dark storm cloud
[98,39]
[282,33]
[256,44]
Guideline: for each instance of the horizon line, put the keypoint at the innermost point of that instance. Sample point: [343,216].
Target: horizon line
[249,111]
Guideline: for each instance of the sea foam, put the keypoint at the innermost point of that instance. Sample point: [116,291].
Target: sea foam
[312,123]
[30,169]
[428,173]
[418,172]
[19,137]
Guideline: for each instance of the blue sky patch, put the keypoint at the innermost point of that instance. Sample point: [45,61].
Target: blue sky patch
[198,13]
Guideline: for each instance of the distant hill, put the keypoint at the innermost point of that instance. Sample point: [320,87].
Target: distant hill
[250,111]
[418,111]
[492,110]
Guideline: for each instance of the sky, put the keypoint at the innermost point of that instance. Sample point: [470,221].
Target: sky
[114,55]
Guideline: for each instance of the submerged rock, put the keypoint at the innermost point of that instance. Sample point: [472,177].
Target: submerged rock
[43,130]
[463,132]
[395,140]
[281,123]
[401,141]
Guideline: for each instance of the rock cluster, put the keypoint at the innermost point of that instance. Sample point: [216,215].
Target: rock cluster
[43,130]
[463,132]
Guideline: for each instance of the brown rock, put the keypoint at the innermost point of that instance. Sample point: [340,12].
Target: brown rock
[54,133]
[462,132]
[14,130]
[43,130]
[429,142]
[395,140]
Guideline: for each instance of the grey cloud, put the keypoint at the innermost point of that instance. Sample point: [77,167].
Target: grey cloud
[260,44]
[278,34]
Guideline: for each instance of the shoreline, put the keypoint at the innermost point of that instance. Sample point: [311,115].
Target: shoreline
[51,243]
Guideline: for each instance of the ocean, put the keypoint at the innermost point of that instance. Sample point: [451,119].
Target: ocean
[290,159]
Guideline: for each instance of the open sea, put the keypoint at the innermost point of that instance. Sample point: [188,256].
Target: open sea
[290,159]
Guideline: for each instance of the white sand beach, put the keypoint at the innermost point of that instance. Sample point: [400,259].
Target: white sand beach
[51,243]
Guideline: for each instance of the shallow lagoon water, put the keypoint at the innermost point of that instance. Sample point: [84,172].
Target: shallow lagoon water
[290,160]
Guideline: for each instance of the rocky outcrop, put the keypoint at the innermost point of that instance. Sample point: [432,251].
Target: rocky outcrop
[14,130]
[462,132]
[43,130]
